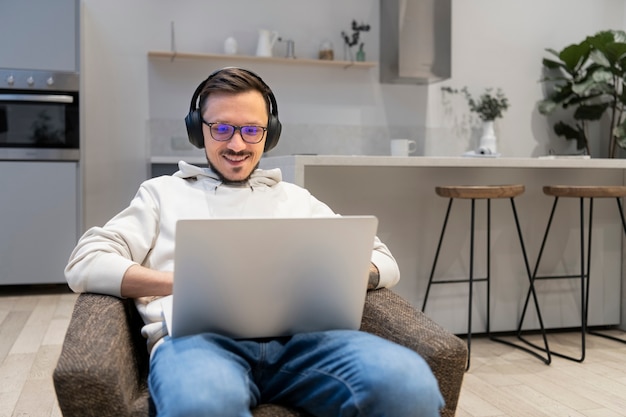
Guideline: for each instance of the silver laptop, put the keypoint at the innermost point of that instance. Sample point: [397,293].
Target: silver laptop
[254,278]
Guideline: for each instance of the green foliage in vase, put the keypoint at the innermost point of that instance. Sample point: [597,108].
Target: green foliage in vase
[587,80]
[488,106]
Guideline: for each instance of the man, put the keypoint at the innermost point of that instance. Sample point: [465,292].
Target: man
[233,115]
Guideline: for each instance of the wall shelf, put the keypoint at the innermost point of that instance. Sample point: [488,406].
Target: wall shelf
[172,56]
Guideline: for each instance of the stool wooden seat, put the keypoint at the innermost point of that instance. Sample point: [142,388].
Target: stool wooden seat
[585,191]
[581,192]
[480,192]
[488,193]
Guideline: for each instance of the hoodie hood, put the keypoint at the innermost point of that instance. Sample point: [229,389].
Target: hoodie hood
[260,177]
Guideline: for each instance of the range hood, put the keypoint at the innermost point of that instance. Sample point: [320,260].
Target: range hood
[415,41]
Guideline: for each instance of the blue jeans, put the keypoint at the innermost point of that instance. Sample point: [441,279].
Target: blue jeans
[333,373]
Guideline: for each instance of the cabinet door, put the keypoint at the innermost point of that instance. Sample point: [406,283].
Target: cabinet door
[39,34]
[38,220]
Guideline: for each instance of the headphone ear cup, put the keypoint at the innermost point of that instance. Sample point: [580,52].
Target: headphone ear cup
[193,121]
[274,127]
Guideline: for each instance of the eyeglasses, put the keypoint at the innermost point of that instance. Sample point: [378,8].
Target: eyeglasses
[223,132]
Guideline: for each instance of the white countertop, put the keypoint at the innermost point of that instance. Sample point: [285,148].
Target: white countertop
[420,161]
[429,161]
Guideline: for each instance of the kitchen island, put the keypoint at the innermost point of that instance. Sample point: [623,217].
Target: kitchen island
[400,192]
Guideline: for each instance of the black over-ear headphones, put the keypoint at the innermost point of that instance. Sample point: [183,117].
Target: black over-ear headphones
[193,120]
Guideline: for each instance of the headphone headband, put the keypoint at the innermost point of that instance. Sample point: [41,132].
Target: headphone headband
[193,120]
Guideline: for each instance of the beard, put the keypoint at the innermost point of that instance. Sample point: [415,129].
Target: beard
[221,175]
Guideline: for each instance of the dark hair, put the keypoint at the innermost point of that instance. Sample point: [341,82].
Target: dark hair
[234,80]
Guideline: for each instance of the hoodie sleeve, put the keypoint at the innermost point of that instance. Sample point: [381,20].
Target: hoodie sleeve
[103,254]
[386,264]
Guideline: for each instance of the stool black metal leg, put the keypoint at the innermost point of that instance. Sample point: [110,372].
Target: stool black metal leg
[471,287]
[470,280]
[532,292]
[621,213]
[539,256]
[584,300]
[594,332]
[488,266]
[432,271]
[548,359]
[585,263]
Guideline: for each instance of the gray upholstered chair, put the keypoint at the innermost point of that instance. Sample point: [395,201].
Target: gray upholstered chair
[102,370]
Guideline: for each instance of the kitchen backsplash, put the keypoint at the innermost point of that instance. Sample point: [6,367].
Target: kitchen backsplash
[168,137]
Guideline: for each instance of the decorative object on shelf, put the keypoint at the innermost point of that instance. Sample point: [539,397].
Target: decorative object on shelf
[487,145]
[350,41]
[327,51]
[291,48]
[230,46]
[488,107]
[360,54]
[588,78]
[267,39]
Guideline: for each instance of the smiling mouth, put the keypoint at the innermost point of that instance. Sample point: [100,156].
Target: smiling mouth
[235,157]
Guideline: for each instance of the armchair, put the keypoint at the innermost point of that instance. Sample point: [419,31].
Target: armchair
[103,367]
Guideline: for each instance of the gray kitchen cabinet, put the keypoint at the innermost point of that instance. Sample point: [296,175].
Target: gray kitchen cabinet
[38,220]
[39,34]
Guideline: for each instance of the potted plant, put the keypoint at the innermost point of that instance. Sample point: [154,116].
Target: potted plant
[350,41]
[586,80]
[489,106]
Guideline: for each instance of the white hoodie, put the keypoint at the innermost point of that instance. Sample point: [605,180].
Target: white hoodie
[143,233]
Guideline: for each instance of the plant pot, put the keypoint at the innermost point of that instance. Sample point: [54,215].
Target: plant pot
[487,145]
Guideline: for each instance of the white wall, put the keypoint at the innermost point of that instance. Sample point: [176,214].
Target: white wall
[495,43]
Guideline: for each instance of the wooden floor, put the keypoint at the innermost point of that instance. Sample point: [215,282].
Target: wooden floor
[502,381]
[32,327]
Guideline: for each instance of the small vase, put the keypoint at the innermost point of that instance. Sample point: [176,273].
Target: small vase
[487,145]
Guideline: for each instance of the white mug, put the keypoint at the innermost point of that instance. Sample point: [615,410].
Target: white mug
[402,147]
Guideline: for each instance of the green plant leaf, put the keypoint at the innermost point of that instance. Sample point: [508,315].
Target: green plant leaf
[622,97]
[620,138]
[551,64]
[561,93]
[619,133]
[546,107]
[615,51]
[602,76]
[571,133]
[582,87]
[600,39]
[574,56]
[590,112]
[599,58]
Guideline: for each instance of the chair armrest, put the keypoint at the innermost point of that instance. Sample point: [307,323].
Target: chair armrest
[389,316]
[102,368]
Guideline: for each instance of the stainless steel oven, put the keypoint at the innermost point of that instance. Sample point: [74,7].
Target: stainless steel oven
[39,115]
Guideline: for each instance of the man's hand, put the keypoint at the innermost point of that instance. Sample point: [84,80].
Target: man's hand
[374,278]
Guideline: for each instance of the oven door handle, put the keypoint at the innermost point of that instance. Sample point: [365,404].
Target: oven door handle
[44,98]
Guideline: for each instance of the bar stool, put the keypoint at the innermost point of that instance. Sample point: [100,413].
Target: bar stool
[580,192]
[473,193]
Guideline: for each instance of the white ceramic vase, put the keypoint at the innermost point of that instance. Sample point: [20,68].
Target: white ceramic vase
[487,145]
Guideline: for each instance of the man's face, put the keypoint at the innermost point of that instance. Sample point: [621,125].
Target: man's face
[234,159]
